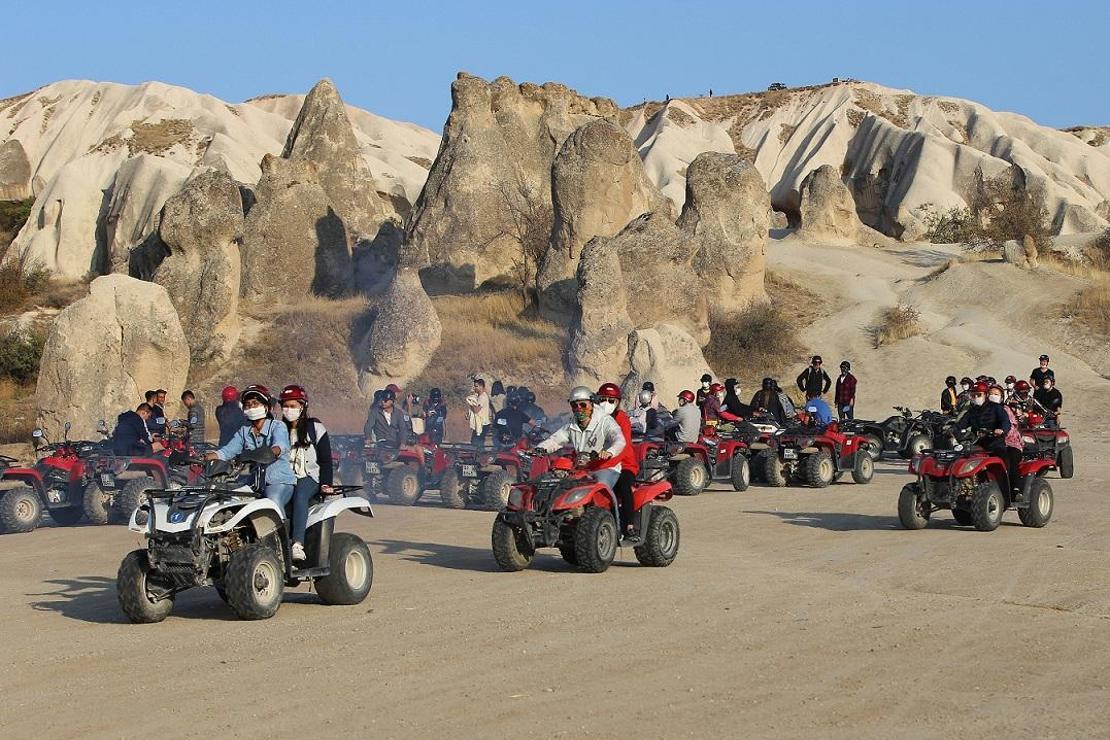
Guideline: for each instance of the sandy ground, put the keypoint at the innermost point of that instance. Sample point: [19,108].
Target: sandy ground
[789,612]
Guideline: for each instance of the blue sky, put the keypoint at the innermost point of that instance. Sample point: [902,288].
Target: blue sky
[1046,60]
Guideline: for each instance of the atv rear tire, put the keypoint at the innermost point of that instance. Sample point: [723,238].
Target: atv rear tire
[864,469]
[661,539]
[915,445]
[874,446]
[493,491]
[402,485]
[1041,504]
[962,517]
[1065,463]
[20,510]
[97,504]
[987,506]
[67,517]
[132,592]
[130,497]
[690,477]
[595,540]
[254,582]
[818,469]
[352,571]
[773,469]
[911,513]
[740,472]
[510,549]
[451,490]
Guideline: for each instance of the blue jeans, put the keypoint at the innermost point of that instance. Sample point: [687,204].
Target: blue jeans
[303,492]
[279,493]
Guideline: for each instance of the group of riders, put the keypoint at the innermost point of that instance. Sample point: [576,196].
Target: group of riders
[252,418]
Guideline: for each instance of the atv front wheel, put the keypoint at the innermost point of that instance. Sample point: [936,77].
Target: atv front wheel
[131,589]
[740,472]
[595,540]
[1065,463]
[987,505]
[774,472]
[97,504]
[352,571]
[660,546]
[402,485]
[1041,503]
[20,510]
[493,491]
[818,469]
[130,497]
[254,582]
[915,445]
[911,509]
[864,469]
[690,477]
[510,549]
[451,490]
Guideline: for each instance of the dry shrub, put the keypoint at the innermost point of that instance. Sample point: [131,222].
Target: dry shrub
[1099,251]
[900,322]
[17,411]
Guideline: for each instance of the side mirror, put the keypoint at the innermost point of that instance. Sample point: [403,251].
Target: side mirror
[175,424]
[101,426]
[193,421]
[37,434]
[65,431]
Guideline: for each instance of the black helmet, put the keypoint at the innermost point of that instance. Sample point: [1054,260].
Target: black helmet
[435,394]
[512,399]
[845,365]
[648,386]
[730,383]
[388,395]
[530,398]
[966,380]
[950,381]
[768,384]
[707,378]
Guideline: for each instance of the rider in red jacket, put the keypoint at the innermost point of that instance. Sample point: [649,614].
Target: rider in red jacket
[608,401]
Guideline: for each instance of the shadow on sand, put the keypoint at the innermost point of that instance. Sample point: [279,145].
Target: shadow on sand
[455,557]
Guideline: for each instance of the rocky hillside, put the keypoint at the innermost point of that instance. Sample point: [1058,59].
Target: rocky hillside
[102,158]
[896,150]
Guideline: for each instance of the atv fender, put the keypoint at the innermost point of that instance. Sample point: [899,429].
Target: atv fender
[334,507]
[28,476]
[264,515]
[156,469]
[1036,467]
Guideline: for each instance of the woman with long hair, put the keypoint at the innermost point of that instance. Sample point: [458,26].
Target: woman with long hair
[310,456]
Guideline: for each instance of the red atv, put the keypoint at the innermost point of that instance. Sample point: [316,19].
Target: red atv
[483,476]
[687,462]
[404,474]
[567,508]
[1047,443]
[55,483]
[971,482]
[814,457]
[347,458]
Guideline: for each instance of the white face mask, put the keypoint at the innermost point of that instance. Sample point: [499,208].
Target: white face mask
[978,400]
[995,398]
[1010,386]
[291,414]
[607,407]
[705,385]
[254,413]
[1047,386]
[966,387]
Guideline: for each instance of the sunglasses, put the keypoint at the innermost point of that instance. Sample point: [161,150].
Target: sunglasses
[580,405]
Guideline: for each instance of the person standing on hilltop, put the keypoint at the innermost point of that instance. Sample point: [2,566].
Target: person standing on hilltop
[814,379]
[845,394]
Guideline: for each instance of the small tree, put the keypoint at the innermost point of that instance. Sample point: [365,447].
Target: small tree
[530,216]
[1005,208]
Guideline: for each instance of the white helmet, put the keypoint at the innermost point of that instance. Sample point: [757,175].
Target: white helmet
[581,393]
[644,398]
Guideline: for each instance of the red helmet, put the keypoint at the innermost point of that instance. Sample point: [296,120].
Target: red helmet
[1011,379]
[980,387]
[609,390]
[687,396]
[1022,386]
[293,393]
[230,393]
[395,388]
[261,392]
[716,388]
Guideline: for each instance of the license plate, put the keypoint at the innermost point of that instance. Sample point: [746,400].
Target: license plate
[469,471]
[372,468]
[107,480]
[789,454]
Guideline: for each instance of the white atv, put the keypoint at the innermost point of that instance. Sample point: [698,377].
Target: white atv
[233,538]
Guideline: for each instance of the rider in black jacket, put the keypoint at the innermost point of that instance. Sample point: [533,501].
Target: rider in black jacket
[990,422]
[131,436]
[814,380]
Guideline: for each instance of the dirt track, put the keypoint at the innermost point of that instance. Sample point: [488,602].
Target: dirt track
[788,612]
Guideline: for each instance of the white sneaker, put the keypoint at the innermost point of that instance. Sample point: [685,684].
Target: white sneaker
[298,551]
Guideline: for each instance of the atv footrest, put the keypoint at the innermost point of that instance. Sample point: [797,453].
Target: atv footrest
[306,574]
[631,541]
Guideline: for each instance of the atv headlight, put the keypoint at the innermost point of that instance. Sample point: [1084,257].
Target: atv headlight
[1026,439]
[574,497]
[965,467]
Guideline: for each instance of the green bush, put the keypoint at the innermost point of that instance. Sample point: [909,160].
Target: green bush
[20,355]
[954,226]
[13,290]
[760,339]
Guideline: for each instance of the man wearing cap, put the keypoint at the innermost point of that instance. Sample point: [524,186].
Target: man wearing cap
[1040,373]
[814,380]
